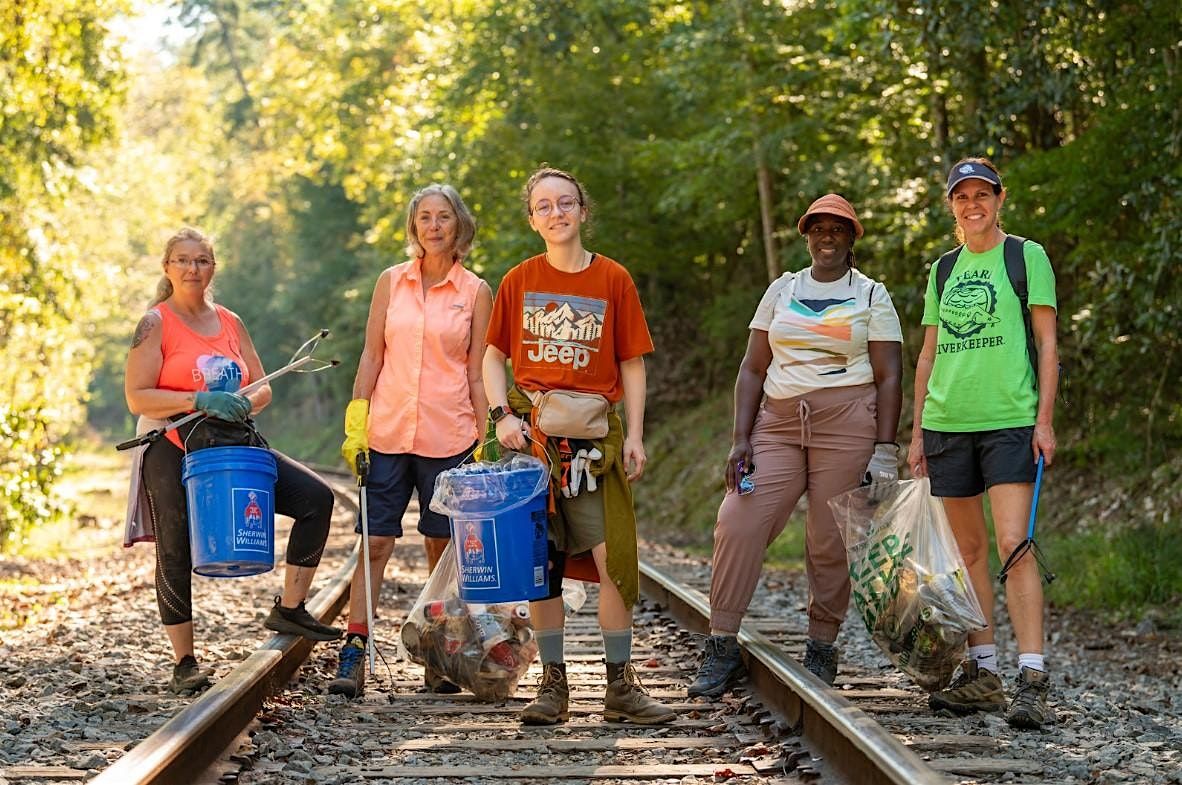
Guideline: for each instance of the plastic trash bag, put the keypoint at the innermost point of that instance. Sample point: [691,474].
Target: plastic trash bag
[907,578]
[490,488]
[484,648]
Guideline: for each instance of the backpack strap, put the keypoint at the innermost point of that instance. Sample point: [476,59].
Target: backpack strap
[944,270]
[1015,260]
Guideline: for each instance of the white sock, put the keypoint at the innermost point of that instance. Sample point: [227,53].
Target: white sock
[1032,661]
[985,656]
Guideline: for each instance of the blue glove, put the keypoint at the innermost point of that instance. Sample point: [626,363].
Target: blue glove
[228,406]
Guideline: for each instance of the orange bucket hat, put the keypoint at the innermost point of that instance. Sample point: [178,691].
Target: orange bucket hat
[832,204]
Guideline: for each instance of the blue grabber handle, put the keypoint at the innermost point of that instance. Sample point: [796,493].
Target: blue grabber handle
[1034,501]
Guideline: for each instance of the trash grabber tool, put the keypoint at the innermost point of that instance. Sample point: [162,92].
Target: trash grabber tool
[301,357]
[1029,544]
[362,478]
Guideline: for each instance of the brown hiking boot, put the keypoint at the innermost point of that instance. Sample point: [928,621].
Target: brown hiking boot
[1029,708]
[973,690]
[626,699]
[551,706]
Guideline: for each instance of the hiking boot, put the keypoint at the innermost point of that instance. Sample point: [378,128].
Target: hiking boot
[436,682]
[350,680]
[820,659]
[297,621]
[1029,708]
[187,676]
[721,668]
[975,689]
[626,700]
[551,706]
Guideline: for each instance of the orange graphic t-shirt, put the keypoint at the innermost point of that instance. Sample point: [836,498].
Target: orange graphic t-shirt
[569,331]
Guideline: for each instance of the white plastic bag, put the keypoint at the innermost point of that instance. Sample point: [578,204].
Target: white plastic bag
[485,648]
[907,578]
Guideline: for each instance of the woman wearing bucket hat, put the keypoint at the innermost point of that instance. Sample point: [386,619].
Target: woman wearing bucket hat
[416,397]
[189,354]
[817,403]
[985,385]
[571,321]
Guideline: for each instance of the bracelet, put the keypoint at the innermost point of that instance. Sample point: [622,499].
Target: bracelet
[894,443]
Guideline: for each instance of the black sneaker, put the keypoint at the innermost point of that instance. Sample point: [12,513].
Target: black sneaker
[187,676]
[820,659]
[722,667]
[297,621]
[350,680]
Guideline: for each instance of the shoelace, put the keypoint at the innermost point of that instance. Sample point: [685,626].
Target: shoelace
[350,655]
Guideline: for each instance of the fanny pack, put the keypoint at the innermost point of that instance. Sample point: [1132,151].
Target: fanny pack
[575,415]
[208,432]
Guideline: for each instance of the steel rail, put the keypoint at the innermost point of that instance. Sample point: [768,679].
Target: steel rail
[194,738]
[850,741]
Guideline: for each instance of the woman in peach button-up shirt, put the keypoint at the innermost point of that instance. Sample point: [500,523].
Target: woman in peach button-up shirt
[418,398]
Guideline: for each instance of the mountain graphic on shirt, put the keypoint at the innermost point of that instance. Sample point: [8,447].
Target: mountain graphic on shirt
[563,318]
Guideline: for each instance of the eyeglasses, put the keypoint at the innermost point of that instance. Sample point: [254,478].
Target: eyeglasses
[566,204]
[201,263]
[837,230]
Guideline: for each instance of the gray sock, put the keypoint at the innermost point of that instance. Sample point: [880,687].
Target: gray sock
[617,645]
[550,645]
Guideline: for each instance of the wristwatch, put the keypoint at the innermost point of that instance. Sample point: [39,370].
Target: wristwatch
[498,413]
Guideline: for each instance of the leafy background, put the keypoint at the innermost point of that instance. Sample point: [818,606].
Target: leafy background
[296,132]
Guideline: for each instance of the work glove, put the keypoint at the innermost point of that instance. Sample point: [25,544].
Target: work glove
[227,406]
[589,482]
[883,469]
[356,432]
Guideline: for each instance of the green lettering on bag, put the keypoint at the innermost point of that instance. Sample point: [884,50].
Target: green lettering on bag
[874,577]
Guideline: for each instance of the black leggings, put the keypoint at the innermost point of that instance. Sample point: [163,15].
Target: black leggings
[298,493]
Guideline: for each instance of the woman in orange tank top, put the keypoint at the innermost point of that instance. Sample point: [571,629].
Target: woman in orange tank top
[418,399]
[189,354]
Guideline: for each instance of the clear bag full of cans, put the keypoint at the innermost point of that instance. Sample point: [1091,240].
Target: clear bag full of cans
[907,578]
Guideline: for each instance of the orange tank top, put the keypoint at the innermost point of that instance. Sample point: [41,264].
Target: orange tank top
[194,362]
[422,403]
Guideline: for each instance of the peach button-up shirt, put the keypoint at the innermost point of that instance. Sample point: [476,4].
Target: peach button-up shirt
[422,403]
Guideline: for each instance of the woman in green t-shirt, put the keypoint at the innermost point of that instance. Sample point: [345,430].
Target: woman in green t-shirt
[984,407]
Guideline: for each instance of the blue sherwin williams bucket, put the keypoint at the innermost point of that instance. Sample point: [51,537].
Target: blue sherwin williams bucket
[231,495]
[500,542]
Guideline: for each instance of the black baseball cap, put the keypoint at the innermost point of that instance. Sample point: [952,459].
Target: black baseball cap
[967,170]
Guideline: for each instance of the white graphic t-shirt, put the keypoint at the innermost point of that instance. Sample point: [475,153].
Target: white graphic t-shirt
[818,331]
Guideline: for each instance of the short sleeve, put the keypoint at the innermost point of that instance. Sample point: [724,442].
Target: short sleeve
[884,321]
[500,323]
[931,307]
[766,310]
[631,329]
[1040,276]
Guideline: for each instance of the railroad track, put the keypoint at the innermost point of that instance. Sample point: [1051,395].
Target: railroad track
[791,729]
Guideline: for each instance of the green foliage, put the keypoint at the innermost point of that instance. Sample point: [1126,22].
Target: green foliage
[62,84]
[297,133]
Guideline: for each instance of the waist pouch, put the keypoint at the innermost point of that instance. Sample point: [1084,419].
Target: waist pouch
[212,432]
[575,415]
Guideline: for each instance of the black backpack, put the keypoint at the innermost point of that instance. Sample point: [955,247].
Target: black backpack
[1015,271]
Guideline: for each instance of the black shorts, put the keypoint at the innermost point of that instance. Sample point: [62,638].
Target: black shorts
[392,480]
[965,464]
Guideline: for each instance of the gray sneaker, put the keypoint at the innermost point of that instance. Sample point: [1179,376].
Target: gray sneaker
[721,668]
[187,676]
[820,659]
[1029,709]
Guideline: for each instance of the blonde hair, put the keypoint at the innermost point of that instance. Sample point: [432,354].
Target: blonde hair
[164,286]
[465,221]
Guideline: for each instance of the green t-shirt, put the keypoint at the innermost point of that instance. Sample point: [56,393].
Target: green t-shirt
[982,379]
